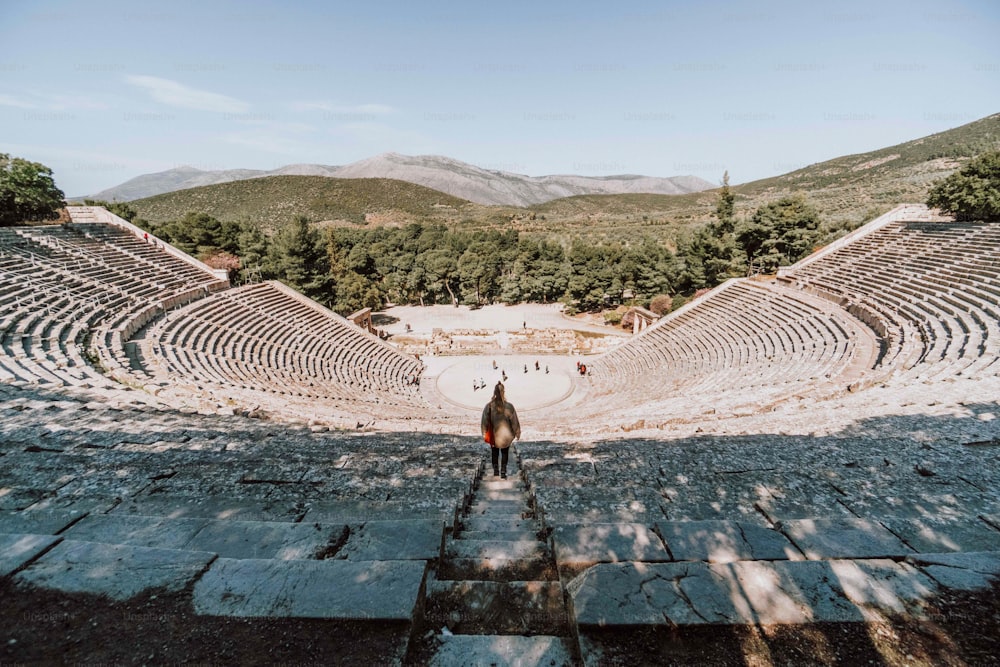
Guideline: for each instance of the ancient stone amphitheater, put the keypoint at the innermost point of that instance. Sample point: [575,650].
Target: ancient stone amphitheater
[820,448]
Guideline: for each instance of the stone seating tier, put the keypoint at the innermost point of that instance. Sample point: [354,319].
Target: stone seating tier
[256,519]
[262,338]
[939,278]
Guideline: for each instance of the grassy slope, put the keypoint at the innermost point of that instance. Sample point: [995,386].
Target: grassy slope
[275,199]
[847,190]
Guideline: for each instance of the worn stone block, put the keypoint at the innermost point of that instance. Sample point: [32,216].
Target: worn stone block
[502,650]
[960,571]
[347,590]
[115,570]
[821,539]
[724,541]
[606,543]
[18,549]
[38,522]
[927,535]
[393,540]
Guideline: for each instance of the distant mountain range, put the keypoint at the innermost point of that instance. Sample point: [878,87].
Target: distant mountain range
[459,179]
[846,190]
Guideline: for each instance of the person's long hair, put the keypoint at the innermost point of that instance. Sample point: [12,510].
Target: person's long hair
[499,396]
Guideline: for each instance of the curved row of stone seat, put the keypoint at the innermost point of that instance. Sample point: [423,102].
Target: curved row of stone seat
[78,288]
[266,338]
[935,287]
[755,339]
[46,319]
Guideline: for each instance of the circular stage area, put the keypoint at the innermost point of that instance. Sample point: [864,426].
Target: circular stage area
[456,377]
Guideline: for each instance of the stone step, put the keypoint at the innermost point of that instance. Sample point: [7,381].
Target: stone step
[823,539]
[38,522]
[500,607]
[724,541]
[582,545]
[210,507]
[769,592]
[504,535]
[498,523]
[500,507]
[228,539]
[331,589]
[497,484]
[19,549]
[513,496]
[502,650]
[495,548]
[538,568]
[118,571]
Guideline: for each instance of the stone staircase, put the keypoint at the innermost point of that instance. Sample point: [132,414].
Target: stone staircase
[496,598]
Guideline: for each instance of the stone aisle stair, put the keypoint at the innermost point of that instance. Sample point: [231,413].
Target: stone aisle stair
[496,598]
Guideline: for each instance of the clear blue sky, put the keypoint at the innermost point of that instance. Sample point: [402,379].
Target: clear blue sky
[104,90]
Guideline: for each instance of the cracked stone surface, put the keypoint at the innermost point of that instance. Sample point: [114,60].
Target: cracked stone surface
[821,539]
[607,543]
[961,571]
[118,571]
[417,539]
[126,460]
[724,541]
[929,536]
[745,592]
[383,590]
[228,539]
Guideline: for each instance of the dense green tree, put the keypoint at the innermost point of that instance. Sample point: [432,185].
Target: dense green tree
[201,235]
[27,191]
[255,254]
[779,233]
[973,192]
[479,270]
[589,278]
[725,208]
[301,261]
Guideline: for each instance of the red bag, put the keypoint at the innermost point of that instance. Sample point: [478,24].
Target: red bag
[488,435]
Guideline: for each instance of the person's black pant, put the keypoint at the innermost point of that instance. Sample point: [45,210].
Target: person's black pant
[495,452]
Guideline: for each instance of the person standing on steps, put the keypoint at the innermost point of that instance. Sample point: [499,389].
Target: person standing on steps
[500,418]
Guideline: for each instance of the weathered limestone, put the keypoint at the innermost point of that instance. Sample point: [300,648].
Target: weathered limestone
[494,549]
[19,549]
[821,539]
[38,522]
[115,570]
[961,571]
[229,539]
[335,589]
[724,541]
[745,592]
[418,539]
[508,650]
[927,535]
[210,507]
[606,543]
[349,511]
